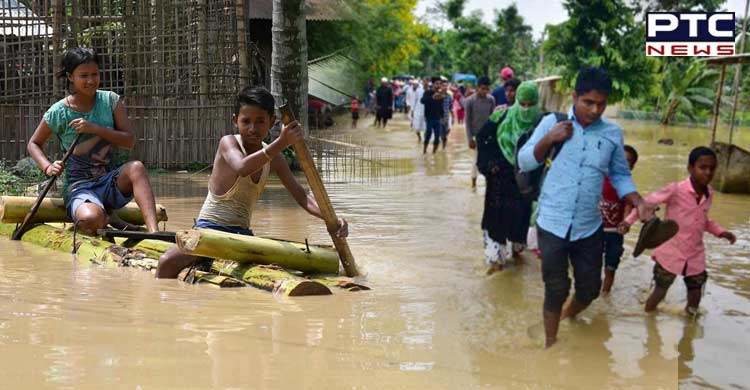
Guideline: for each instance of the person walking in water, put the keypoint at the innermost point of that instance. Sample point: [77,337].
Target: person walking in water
[416,113]
[384,103]
[447,120]
[614,211]
[498,93]
[433,113]
[507,213]
[458,104]
[688,203]
[355,111]
[569,223]
[478,108]
[509,89]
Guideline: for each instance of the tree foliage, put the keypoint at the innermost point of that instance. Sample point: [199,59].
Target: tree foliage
[473,46]
[642,6]
[602,33]
[385,35]
[515,46]
[690,87]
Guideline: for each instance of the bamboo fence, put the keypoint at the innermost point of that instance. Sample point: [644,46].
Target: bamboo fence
[176,63]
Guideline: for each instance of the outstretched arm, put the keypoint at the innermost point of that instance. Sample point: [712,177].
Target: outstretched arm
[653,199]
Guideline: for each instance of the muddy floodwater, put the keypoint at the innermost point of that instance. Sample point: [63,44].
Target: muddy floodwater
[432,319]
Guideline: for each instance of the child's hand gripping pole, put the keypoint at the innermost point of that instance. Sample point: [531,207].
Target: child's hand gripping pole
[321,196]
[22,228]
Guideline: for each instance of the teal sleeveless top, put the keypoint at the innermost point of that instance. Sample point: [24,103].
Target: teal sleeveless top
[94,156]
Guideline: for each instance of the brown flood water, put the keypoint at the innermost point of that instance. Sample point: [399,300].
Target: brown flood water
[431,320]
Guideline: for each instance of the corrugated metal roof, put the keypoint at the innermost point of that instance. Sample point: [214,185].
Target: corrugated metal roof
[332,79]
[16,19]
[316,9]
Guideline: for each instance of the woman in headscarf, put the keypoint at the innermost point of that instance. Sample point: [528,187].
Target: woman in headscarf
[506,213]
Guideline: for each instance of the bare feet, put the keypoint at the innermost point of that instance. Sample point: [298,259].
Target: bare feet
[572,309]
[551,324]
[496,267]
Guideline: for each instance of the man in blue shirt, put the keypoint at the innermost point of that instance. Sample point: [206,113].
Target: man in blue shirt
[569,223]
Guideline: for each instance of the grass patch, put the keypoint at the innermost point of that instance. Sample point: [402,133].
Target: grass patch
[14,180]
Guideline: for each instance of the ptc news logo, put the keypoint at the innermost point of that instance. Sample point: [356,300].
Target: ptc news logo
[689,34]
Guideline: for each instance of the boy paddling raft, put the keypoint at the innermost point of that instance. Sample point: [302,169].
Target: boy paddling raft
[241,168]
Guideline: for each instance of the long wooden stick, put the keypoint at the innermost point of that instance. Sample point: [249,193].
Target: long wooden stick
[21,229]
[321,196]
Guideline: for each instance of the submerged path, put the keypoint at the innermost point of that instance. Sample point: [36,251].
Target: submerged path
[432,319]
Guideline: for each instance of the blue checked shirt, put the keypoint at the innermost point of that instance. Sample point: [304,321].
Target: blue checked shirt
[573,186]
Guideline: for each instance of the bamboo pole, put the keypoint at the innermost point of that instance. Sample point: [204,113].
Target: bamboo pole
[321,196]
[717,103]
[203,50]
[38,201]
[242,40]
[738,73]
[250,249]
[56,31]
[13,209]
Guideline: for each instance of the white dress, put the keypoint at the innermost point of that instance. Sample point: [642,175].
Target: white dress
[418,123]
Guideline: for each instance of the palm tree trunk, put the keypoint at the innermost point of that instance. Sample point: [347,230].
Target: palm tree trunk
[289,57]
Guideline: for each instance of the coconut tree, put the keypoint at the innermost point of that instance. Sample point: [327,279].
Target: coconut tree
[689,89]
[289,57]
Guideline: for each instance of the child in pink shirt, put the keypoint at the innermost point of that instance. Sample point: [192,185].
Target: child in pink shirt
[688,203]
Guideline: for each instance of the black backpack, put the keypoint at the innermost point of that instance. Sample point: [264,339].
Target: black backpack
[530,183]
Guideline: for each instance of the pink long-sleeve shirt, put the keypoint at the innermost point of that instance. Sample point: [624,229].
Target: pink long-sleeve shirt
[685,251]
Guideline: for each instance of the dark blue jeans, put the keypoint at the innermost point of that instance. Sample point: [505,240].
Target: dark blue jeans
[613,249]
[433,127]
[585,255]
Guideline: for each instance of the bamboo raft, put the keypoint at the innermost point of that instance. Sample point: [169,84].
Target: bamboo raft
[282,267]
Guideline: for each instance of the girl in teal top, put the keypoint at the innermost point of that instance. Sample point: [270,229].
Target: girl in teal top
[94,184]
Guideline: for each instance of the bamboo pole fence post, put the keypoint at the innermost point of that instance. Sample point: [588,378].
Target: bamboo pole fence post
[321,196]
[203,49]
[717,103]
[738,73]
[72,40]
[242,40]
[56,31]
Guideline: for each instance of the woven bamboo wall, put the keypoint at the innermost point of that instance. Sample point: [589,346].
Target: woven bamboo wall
[175,62]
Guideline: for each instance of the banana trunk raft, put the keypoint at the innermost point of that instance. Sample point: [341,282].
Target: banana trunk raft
[13,209]
[318,279]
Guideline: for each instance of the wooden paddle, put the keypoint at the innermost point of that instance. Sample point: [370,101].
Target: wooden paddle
[321,196]
[18,233]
